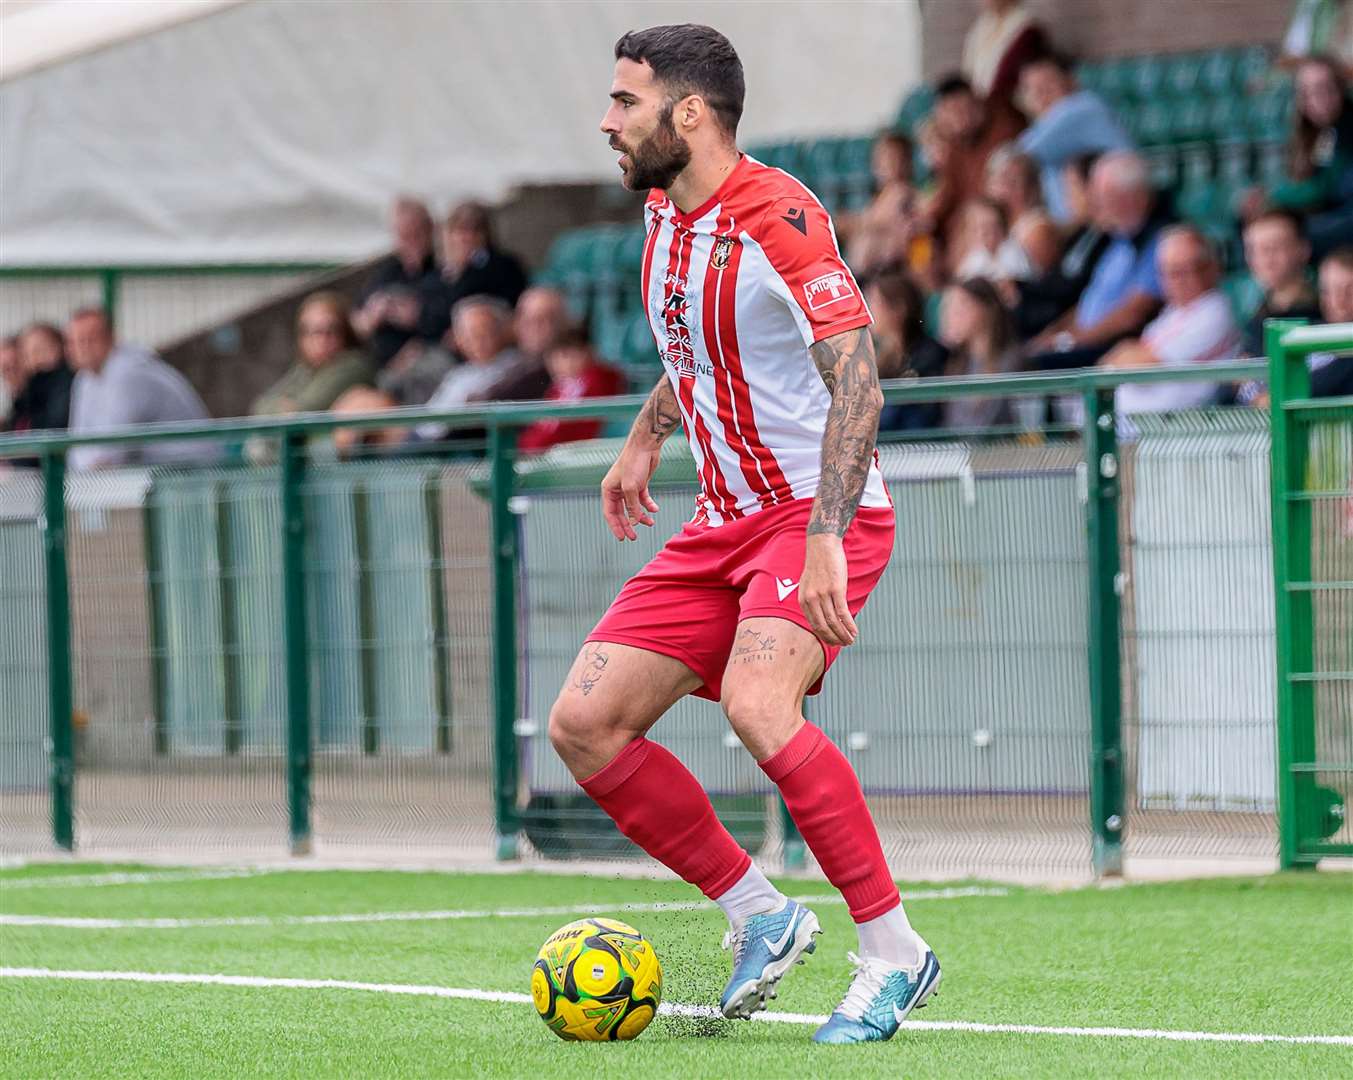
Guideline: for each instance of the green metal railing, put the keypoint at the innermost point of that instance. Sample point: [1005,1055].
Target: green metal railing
[504,476]
[1312,505]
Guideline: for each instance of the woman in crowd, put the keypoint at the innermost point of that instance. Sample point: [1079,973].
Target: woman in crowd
[985,248]
[1014,183]
[1320,158]
[883,233]
[903,348]
[328,360]
[977,330]
[44,403]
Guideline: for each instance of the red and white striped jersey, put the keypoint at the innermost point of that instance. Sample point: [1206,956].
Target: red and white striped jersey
[736,291]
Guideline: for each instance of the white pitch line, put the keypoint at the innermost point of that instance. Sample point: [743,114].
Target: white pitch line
[147,877]
[70,922]
[669,1009]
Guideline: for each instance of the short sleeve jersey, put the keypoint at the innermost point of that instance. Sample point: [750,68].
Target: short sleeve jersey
[736,291]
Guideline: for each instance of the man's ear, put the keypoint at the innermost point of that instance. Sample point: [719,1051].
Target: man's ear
[689,110]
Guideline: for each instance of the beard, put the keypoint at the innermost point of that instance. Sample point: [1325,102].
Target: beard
[658,160]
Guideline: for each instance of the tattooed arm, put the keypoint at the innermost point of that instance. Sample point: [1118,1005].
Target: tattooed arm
[846,364]
[625,501]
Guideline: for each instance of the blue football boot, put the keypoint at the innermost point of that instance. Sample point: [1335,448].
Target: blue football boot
[764,948]
[879,999]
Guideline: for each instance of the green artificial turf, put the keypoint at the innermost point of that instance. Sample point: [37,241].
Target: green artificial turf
[1271,955]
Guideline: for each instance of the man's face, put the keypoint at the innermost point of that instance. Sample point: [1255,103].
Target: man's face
[958,115]
[479,334]
[539,320]
[1186,271]
[639,125]
[1117,210]
[39,351]
[1336,292]
[11,369]
[568,362]
[1275,254]
[88,343]
[1040,87]
[413,232]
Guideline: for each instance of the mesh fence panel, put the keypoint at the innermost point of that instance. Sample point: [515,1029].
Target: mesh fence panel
[25,813]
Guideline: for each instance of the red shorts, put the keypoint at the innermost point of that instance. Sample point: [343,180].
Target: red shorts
[687,602]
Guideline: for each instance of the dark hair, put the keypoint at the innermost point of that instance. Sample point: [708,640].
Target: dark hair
[952,84]
[1288,217]
[1084,165]
[984,292]
[688,58]
[1339,257]
[1301,147]
[573,336]
[471,215]
[337,306]
[898,291]
[1052,58]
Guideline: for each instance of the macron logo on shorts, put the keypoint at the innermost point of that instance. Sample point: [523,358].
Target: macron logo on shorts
[784,587]
[827,290]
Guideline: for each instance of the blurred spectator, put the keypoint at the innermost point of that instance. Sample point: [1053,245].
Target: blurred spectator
[492,370]
[976,328]
[328,361]
[1069,123]
[390,306]
[1277,255]
[472,265]
[575,373]
[903,348]
[883,233]
[1320,26]
[999,43]
[1013,183]
[1196,327]
[12,378]
[1124,290]
[984,248]
[964,132]
[540,321]
[44,403]
[1320,158]
[1332,375]
[120,385]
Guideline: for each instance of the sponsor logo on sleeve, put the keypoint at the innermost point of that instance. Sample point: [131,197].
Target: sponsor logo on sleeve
[828,289]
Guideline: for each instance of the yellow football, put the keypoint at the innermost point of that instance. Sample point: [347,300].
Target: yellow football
[596,979]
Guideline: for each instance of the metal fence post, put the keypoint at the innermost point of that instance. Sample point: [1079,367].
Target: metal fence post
[1293,623]
[1105,587]
[506,769]
[110,282]
[60,704]
[297,644]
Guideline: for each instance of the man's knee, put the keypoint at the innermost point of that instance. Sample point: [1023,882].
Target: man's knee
[570,724]
[751,709]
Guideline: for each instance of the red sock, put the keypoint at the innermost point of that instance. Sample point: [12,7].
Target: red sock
[657,803]
[825,801]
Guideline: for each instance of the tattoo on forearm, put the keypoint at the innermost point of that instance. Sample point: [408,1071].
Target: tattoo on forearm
[750,647]
[846,364]
[589,667]
[661,415]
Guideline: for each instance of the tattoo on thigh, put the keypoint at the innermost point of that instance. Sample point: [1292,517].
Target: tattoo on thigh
[751,647]
[590,666]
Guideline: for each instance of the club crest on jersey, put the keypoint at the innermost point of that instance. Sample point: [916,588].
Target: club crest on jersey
[722,247]
[827,290]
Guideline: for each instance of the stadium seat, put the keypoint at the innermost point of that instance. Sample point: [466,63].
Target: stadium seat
[1183,74]
[1164,164]
[1217,73]
[1144,77]
[915,109]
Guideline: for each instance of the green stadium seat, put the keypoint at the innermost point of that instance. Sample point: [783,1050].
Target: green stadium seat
[1235,164]
[1217,72]
[1271,164]
[1151,123]
[1197,202]
[1253,65]
[1244,293]
[916,107]
[1164,164]
[640,350]
[1183,74]
[1268,113]
[1115,80]
[1145,77]
[1190,120]
[1228,120]
[1090,77]
[1195,166]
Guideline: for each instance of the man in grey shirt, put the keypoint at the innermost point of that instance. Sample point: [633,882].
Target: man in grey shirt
[118,385]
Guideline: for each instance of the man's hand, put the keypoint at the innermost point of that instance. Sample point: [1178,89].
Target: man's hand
[822,590]
[625,501]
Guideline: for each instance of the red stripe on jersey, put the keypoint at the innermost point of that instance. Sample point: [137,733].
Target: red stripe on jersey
[767,466]
[651,242]
[711,480]
[725,390]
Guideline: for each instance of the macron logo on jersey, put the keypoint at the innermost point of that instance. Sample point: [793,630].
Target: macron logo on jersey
[827,290]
